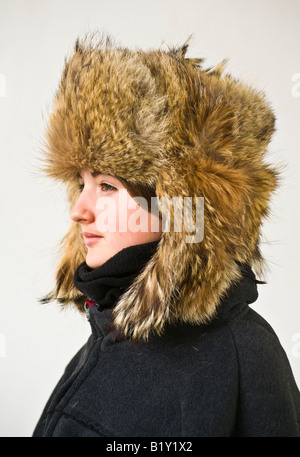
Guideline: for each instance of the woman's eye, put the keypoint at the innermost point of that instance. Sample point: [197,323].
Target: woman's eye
[107,187]
[103,186]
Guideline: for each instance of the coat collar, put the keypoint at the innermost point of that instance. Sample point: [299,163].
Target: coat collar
[237,299]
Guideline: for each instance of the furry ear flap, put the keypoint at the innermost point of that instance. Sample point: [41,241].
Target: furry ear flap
[185,280]
[210,265]
[235,202]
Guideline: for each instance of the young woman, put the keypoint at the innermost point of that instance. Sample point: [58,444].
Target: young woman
[139,138]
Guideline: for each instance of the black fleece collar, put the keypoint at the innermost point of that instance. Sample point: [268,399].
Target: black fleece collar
[105,284]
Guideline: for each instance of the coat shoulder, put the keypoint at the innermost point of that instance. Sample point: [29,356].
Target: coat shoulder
[267,387]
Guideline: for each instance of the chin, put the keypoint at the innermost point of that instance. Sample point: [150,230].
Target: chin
[93,262]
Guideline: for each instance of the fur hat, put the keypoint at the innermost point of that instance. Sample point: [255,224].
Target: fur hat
[159,119]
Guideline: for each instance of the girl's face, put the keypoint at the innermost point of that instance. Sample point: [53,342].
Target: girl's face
[110,218]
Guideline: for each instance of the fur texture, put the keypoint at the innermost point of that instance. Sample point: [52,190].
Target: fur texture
[158,118]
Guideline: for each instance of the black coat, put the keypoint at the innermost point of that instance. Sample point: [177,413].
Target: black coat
[228,378]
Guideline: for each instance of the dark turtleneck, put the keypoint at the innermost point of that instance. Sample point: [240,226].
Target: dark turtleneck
[106,283]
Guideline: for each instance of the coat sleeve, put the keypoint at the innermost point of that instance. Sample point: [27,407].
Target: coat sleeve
[268,399]
[58,391]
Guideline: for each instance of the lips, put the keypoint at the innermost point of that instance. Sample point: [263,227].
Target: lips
[91,238]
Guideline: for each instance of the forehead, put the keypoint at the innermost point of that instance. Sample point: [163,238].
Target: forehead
[97,174]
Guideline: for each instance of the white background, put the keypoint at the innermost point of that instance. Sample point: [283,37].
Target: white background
[261,39]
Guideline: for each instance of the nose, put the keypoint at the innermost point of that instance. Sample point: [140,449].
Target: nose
[81,211]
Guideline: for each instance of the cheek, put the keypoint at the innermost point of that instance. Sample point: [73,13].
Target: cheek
[107,215]
[121,217]
[114,212]
[128,214]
